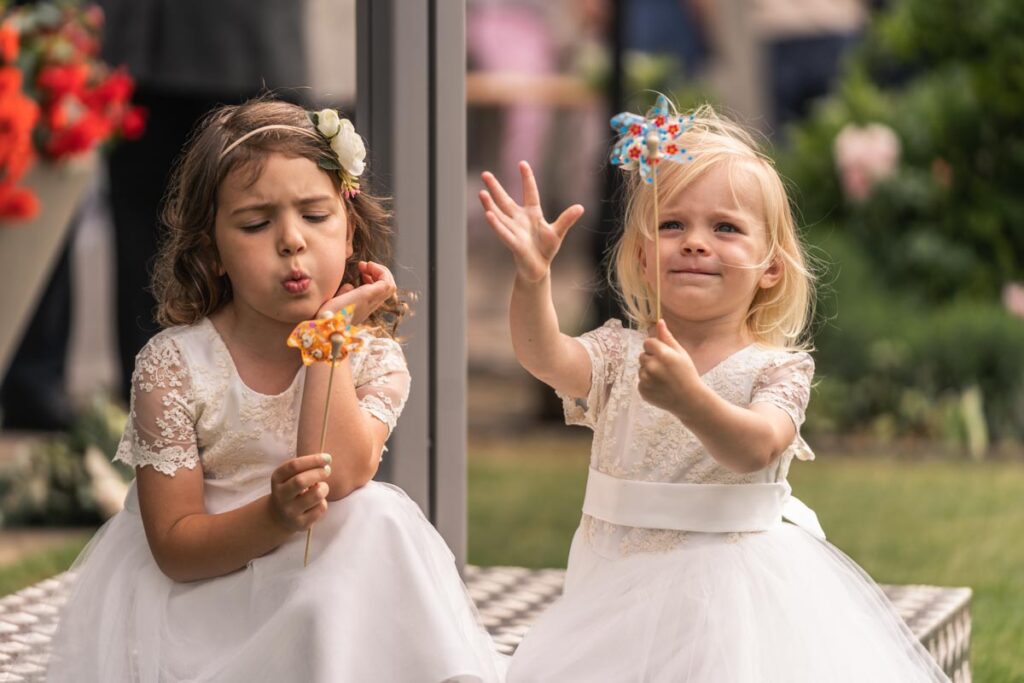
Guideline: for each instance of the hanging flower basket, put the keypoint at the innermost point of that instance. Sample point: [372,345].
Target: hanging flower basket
[59,102]
[29,249]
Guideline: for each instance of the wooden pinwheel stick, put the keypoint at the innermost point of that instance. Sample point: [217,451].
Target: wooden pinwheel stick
[653,156]
[336,341]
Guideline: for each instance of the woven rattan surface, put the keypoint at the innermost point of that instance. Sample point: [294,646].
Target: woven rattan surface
[509,600]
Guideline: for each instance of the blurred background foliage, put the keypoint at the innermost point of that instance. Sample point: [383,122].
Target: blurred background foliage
[914,339]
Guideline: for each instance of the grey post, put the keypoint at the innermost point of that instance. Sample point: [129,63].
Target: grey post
[411,107]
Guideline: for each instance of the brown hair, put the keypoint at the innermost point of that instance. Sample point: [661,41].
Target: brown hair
[185,280]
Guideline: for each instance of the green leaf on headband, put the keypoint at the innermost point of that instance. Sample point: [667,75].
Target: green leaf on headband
[314,117]
[330,164]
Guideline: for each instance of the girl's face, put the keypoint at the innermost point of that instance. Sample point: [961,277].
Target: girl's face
[713,242]
[283,240]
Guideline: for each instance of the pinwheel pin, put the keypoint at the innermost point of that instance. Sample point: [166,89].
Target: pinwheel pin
[643,143]
[327,339]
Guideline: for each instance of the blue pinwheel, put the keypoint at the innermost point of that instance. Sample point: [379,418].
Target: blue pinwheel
[632,151]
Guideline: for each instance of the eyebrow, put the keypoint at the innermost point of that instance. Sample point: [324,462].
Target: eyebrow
[305,201]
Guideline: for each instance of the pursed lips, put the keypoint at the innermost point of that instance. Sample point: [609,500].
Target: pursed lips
[297,282]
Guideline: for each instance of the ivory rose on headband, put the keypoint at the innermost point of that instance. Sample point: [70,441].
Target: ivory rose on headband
[347,145]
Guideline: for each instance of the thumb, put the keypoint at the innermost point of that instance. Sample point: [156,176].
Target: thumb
[666,336]
[566,220]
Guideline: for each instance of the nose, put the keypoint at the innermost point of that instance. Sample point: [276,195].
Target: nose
[290,240]
[693,243]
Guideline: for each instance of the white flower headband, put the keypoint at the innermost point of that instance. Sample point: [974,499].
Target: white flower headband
[347,145]
[344,141]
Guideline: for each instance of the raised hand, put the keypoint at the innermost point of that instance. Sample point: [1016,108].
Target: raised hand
[298,490]
[377,287]
[531,239]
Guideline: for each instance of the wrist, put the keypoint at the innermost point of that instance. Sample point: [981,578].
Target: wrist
[690,400]
[524,282]
[278,524]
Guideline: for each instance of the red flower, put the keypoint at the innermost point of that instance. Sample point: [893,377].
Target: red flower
[17,203]
[133,123]
[8,42]
[10,82]
[63,79]
[114,90]
[87,132]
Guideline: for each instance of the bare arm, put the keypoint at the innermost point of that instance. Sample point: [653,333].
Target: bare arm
[189,544]
[354,439]
[549,355]
[741,439]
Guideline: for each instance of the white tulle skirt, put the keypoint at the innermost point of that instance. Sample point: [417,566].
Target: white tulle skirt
[381,600]
[778,606]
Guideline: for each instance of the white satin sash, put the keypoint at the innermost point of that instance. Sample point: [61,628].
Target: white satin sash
[708,508]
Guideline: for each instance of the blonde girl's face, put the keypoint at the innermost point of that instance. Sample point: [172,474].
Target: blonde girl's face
[283,240]
[713,247]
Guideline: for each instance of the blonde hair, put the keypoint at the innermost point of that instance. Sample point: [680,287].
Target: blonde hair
[186,283]
[778,315]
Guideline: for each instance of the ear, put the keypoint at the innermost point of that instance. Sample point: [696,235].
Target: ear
[772,275]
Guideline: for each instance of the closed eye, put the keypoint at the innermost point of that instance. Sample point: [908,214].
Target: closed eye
[255,227]
[317,218]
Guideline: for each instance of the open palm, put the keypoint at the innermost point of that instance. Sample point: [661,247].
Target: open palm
[531,239]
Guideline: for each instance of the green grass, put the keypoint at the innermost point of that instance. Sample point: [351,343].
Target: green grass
[38,566]
[926,521]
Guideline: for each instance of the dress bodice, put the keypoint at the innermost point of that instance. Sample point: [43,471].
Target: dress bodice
[636,440]
[190,407]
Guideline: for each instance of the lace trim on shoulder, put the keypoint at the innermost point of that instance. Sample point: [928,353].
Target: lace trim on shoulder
[785,382]
[606,346]
[161,423]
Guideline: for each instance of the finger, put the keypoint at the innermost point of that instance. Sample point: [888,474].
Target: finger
[566,220]
[312,515]
[490,205]
[345,288]
[294,466]
[531,195]
[653,347]
[504,234]
[498,194]
[302,482]
[310,498]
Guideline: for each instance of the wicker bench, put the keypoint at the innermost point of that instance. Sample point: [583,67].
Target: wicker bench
[509,600]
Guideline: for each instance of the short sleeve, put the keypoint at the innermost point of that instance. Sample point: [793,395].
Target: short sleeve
[161,429]
[382,380]
[786,383]
[606,347]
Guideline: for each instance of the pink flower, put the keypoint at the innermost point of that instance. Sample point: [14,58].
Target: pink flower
[1013,298]
[864,156]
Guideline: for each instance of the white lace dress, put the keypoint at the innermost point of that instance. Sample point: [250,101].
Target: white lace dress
[381,599]
[779,605]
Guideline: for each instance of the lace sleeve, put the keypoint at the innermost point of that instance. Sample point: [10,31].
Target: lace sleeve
[606,347]
[382,380]
[161,422]
[786,383]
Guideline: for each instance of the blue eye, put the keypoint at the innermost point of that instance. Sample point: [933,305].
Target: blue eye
[727,227]
[671,225]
